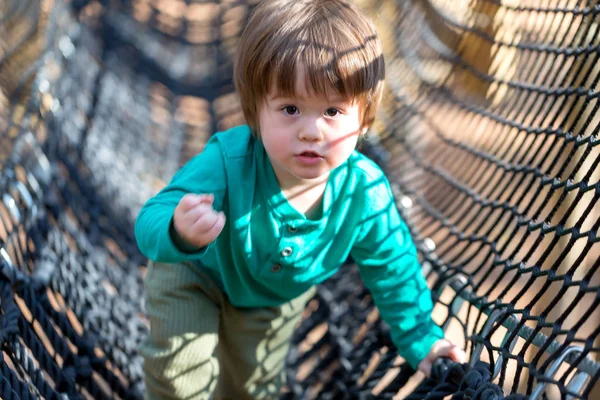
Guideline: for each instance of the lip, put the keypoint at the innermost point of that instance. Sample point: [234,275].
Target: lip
[309,157]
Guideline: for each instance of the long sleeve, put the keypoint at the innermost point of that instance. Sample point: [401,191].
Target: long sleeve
[205,173]
[388,263]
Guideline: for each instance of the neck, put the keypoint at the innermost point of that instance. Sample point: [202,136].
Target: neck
[306,197]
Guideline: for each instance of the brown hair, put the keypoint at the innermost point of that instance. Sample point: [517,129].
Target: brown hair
[333,42]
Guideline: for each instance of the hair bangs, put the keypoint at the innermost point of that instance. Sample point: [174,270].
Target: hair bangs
[325,65]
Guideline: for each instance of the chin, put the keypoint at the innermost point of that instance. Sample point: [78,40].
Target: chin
[306,176]
[308,173]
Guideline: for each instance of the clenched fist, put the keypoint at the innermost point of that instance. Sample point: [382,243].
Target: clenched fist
[195,220]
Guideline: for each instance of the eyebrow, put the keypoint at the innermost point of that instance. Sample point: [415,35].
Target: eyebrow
[334,99]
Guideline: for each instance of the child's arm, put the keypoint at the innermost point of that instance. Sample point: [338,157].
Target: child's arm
[388,263]
[163,238]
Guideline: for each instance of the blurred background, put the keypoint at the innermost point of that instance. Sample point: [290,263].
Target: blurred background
[488,132]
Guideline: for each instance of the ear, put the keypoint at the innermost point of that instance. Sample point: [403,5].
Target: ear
[363,131]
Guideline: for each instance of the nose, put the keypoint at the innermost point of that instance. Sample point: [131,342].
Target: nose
[311,131]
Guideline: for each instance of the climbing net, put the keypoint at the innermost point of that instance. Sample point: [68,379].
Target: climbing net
[488,133]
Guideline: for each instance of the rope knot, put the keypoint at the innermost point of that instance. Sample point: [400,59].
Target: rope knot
[476,377]
[489,391]
[9,327]
[77,368]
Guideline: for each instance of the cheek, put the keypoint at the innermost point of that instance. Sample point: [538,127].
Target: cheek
[274,143]
[350,144]
[347,137]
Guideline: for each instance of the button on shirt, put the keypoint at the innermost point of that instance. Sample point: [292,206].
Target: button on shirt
[269,253]
[276,268]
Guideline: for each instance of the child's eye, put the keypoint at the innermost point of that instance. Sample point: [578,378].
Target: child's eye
[291,110]
[332,112]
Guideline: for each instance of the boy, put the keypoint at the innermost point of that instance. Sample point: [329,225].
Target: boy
[246,229]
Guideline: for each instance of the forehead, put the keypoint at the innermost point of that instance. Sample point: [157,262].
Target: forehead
[304,88]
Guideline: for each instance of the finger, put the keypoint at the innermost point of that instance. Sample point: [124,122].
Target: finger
[425,366]
[194,214]
[206,198]
[214,231]
[188,202]
[205,222]
[458,355]
[452,352]
[217,227]
[191,200]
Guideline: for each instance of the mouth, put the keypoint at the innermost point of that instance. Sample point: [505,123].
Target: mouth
[310,154]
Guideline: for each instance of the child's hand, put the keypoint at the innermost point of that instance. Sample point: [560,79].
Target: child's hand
[196,222]
[442,348]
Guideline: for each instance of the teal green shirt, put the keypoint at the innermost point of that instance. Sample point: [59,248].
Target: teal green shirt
[269,253]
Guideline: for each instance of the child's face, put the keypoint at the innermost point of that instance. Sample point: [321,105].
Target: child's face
[308,135]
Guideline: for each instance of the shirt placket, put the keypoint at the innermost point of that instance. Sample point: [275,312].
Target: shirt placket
[287,249]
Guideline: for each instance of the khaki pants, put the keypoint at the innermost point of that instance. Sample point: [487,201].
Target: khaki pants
[202,347]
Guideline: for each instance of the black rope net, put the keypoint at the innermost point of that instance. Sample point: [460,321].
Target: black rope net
[488,132]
